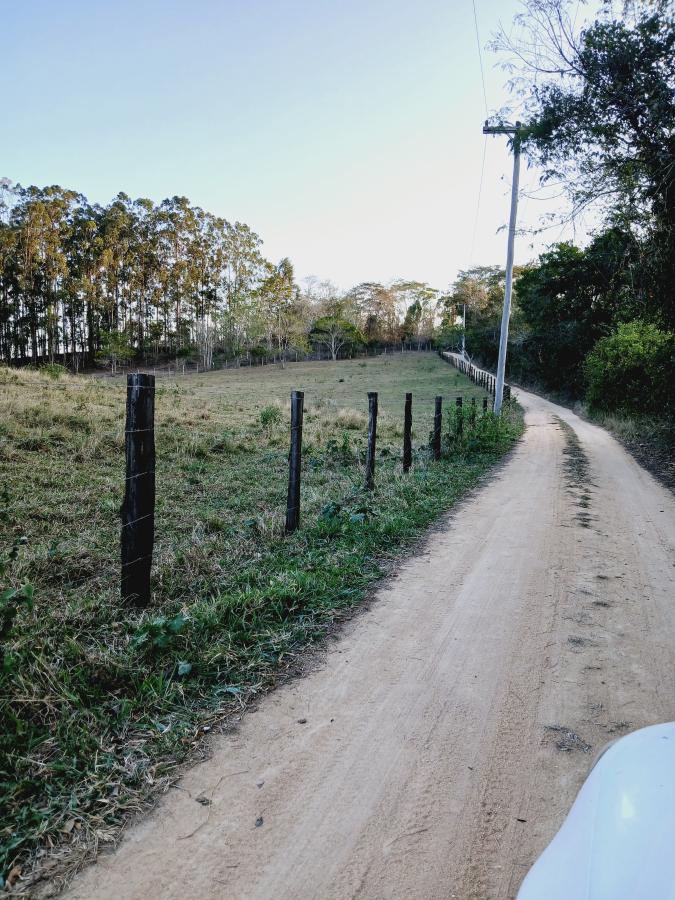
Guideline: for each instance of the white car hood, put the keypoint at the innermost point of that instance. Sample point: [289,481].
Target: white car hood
[618,841]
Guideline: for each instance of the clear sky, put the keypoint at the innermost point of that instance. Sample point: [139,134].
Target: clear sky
[347,133]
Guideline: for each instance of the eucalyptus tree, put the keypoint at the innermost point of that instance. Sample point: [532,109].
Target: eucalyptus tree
[242,272]
[378,315]
[84,282]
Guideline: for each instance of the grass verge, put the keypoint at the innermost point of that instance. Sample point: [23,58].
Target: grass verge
[101,704]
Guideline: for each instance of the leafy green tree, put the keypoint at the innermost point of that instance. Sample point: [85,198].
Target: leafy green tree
[115,348]
[569,300]
[336,335]
[376,311]
[600,107]
[421,304]
[411,322]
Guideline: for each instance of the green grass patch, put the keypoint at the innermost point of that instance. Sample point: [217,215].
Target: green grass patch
[100,704]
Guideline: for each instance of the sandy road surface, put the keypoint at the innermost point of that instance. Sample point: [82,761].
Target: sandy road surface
[437,747]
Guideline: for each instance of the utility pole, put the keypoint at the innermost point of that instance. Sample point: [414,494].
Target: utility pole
[506,312]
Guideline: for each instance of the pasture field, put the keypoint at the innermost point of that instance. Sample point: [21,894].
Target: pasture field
[100,704]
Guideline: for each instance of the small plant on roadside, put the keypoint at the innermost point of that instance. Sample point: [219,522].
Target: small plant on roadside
[159,633]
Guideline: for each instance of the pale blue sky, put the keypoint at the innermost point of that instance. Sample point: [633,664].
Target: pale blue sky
[347,134]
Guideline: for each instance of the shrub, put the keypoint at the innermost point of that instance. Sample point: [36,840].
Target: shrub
[632,370]
[270,416]
[54,370]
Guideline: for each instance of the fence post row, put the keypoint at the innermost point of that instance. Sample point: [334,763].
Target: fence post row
[407,433]
[438,421]
[484,379]
[295,462]
[372,437]
[138,508]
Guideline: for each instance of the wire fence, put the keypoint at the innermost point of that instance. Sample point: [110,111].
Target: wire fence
[480,377]
[139,501]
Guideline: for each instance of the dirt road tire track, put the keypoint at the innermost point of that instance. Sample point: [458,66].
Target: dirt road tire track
[449,728]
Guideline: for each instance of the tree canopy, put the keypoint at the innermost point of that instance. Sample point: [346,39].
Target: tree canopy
[83,283]
[600,120]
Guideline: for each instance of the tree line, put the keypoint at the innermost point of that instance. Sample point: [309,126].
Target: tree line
[81,282]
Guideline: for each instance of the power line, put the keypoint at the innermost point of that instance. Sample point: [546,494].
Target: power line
[480,57]
[480,194]
[482,165]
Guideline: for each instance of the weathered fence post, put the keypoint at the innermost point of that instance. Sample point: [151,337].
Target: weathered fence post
[484,405]
[438,421]
[138,509]
[473,411]
[372,438]
[507,391]
[407,433]
[460,416]
[295,462]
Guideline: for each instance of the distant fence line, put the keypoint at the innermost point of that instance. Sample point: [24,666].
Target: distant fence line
[138,509]
[250,360]
[481,377]
[239,361]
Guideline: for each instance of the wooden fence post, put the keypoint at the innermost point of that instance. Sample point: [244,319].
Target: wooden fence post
[484,405]
[372,438]
[438,421]
[295,462]
[138,509]
[407,433]
[473,411]
[460,416]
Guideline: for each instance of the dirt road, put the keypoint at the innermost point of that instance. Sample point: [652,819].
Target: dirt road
[438,745]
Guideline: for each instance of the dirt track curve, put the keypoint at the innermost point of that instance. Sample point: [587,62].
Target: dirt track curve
[436,748]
